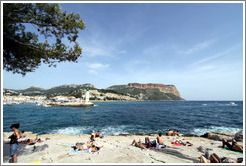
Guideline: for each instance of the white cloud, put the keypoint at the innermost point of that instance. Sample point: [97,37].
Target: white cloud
[218,55]
[199,46]
[97,66]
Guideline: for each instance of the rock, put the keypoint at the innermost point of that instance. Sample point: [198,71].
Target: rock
[200,149]
[204,135]
[163,88]
[239,136]
[218,136]
[190,135]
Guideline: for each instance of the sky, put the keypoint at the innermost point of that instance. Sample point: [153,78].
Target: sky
[198,47]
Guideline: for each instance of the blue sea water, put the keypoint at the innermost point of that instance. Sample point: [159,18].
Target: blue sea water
[113,118]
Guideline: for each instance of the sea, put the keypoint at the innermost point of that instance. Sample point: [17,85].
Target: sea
[114,118]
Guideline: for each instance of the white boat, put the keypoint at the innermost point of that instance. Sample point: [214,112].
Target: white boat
[232,103]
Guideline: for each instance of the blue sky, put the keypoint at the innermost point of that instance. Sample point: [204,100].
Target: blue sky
[196,47]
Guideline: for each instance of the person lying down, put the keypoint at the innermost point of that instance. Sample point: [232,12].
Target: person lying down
[92,148]
[33,141]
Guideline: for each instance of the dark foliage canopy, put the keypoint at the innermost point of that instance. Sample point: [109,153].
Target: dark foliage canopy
[23,51]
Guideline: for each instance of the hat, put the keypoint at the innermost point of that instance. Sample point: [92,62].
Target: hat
[15,126]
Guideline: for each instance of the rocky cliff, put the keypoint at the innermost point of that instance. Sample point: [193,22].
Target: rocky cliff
[148,91]
[163,88]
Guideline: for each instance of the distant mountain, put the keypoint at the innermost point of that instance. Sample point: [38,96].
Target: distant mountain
[131,91]
[59,90]
[66,89]
[148,91]
[32,89]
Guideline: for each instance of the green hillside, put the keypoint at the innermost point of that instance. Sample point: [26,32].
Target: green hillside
[144,94]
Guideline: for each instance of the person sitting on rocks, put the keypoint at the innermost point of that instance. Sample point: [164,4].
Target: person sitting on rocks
[170,132]
[92,140]
[99,135]
[160,140]
[176,133]
[234,146]
[22,134]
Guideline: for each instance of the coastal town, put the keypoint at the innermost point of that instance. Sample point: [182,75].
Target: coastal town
[69,95]
[11,97]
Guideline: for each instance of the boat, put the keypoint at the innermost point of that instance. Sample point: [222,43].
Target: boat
[232,103]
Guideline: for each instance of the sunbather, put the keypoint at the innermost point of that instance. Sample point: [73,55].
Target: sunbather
[176,133]
[81,147]
[99,135]
[234,146]
[159,139]
[33,141]
[170,132]
[239,160]
[92,148]
[139,144]
[95,148]
[214,158]
[150,143]
[92,140]
[182,143]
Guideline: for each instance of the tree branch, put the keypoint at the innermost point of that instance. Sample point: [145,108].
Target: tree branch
[32,46]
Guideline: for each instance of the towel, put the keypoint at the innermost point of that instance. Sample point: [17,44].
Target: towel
[232,150]
[177,144]
[82,151]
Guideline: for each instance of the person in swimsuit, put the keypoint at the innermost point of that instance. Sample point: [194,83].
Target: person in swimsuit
[92,148]
[182,143]
[33,141]
[95,148]
[214,158]
[170,132]
[92,140]
[160,140]
[99,135]
[176,133]
[14,141]
[139,144]
[23,134]
[234,146]
[150,143]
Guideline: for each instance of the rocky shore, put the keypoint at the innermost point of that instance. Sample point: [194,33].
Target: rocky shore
[117,149]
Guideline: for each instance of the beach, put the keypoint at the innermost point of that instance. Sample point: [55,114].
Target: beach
[117,149]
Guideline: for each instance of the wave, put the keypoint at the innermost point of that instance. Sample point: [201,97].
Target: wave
[106,130]
[201,131]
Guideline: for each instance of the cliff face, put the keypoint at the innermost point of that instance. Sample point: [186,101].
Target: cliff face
[163,88]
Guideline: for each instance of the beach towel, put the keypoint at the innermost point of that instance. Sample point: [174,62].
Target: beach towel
[82,151]
[68,144]
[145,150]
[160,146]
[232,150]
[35,162]
[177,144]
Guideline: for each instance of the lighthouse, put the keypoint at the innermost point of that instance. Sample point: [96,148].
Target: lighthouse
[87,96]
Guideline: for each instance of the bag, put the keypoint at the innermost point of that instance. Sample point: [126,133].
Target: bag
[79,143]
